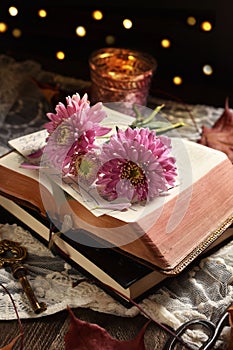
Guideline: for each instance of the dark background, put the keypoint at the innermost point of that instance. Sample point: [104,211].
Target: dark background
[153,20]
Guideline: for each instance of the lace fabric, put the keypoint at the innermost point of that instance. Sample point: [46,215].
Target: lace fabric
[23,105]
[202,292]
[193,116]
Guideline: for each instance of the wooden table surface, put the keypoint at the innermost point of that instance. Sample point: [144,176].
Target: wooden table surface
[47,333]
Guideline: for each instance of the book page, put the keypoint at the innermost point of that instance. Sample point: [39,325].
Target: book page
[13,161]
[193,162]
[30,143]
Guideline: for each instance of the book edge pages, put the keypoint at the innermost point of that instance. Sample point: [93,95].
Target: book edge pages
[157,240]
[43,231]
[134,291]
[158,258]
[203,247]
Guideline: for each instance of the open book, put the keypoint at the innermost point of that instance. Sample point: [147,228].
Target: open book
[121,276]
[167,233]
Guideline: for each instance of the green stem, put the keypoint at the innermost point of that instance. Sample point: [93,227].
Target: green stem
[168,128]
[152,115]
[140,121]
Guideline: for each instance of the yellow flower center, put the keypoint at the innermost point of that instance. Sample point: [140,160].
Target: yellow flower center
[85,167]
[62,135]
[133,173]
[77,163]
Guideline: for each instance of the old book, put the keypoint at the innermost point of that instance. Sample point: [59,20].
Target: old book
[170,233]
[167,233]
[120,276]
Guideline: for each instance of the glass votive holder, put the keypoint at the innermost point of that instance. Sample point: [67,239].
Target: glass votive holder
[119,74]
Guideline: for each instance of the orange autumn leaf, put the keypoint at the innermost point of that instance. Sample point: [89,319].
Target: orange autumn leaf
[220,136]
[84,336]
[11,344]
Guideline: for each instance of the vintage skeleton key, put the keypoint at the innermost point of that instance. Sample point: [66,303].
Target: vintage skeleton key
[12,254]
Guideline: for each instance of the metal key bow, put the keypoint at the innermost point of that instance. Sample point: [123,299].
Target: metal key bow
[12,254]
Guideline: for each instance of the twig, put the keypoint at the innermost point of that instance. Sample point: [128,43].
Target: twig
[18,318]
[162,326]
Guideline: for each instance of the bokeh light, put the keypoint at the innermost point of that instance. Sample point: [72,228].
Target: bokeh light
[17,33]
[42,13]
[13,11]
[165,43]
[127,23]
[206,26]
[97,15]
[60,55]
[191,21]
[207,69]
[3,27]
[177,80]
[110,39]
[80,31]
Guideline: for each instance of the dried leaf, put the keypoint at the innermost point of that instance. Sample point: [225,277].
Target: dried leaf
[49,91]
[230,313]
[85,336]
[220,136]
[11,344]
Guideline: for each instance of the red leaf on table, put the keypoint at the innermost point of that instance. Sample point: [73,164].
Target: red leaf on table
[48,90]
[85,336]
[11,344]
[220,136]
[230,314]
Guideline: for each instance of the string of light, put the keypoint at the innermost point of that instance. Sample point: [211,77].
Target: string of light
[97,15]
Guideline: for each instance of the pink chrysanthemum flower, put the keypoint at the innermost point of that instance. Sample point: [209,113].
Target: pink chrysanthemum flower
[74,105]
[136,165]
[72,132]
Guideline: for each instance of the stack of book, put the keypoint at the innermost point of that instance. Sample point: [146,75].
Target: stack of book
[159,242]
